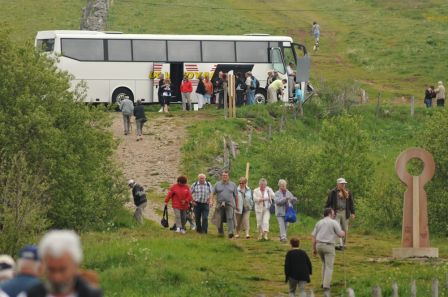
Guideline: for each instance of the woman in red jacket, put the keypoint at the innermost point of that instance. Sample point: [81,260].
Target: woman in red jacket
[185,89]
[180,197]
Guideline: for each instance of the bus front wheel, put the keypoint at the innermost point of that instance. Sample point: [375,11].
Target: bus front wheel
[121,93]
[260,96]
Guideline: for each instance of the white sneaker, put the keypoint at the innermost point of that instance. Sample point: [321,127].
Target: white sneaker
[193,227]
[177,230]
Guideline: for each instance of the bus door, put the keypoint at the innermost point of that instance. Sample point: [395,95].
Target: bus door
[158,68]
[176,76]
[279,66]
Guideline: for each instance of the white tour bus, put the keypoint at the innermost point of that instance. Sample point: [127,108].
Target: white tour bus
[115,65]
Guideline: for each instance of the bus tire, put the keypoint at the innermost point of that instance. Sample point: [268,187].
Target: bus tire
[260,96]
[120,93]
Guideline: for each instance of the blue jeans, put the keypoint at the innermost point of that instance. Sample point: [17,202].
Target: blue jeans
[428,102]
[251,97]
[201,215]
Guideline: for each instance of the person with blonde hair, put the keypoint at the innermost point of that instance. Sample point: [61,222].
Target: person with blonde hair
[440,94]
[263,198]
[283,200]
[340,199]
[244,205]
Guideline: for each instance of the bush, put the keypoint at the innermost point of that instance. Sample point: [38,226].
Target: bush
[434,138]
[23,204]
[61,138]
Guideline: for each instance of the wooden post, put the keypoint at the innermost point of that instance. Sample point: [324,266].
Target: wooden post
[224,85]
[412,106]
[247,172]
[394,290]
[413,288]
[378,105]
[350,292]
[435,288]
[376,292]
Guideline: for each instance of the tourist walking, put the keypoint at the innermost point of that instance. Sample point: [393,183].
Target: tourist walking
[27,273]
[240,88]
[140,119]
[440,94]
[274,89]
[140,201]
[323,237]
[208,90]
[127,110]
[429,94]
[298,268]
[160,91]
[244,206]
[315,30]
[185,90]
[180,197]
[219,90]
[202,192]
[225,195]
[200,92]
[284,199]
[340,199]
[250,94]
[167,90]
[263,198]
[61,254]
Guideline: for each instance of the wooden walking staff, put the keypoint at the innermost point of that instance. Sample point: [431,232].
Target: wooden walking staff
[415,232]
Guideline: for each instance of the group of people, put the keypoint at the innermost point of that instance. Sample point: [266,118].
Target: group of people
[51,269]
[128,110]
[435,93]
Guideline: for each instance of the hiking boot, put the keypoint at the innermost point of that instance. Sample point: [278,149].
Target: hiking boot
[230,236]
[247,236]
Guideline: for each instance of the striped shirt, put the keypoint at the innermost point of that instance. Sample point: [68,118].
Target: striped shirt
[201,192]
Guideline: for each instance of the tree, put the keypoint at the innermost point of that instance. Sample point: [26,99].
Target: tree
[60,137]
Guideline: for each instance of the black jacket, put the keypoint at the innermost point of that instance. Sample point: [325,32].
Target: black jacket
[332,202]
[139,112]
[200,88]
[298,265]
[82,289]
[139,195]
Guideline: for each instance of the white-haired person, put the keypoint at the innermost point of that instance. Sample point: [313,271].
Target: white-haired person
[140,201]
[202,191]
[340,199]
[242,210]
[61,254]
[7,265]
[283,200]
[440,94]
[27,272]
[263,198]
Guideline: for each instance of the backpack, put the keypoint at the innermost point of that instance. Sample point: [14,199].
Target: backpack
[255,83]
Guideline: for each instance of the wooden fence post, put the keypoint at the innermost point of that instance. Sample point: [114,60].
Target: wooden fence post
[376,292]
[394,290]
[413,288]
[435,288]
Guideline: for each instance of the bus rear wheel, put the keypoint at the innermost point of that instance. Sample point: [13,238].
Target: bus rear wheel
[260,96]
[120,94]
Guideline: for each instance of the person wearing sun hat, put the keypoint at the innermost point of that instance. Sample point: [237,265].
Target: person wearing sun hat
[28,272]
[340,199]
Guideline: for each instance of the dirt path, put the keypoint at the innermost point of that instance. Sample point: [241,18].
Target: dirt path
[156,159]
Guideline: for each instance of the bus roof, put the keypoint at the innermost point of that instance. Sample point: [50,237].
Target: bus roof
[116,35]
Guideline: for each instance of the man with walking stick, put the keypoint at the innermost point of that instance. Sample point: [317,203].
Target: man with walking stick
[323,238]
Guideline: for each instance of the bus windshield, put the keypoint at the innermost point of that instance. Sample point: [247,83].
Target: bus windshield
[45,45]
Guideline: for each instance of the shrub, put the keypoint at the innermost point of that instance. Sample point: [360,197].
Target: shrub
[61,138]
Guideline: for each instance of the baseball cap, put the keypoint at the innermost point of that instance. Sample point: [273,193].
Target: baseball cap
[29,252]
[341,180]
[7,265]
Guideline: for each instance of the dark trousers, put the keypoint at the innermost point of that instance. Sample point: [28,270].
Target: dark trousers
[440,102]
[201,215]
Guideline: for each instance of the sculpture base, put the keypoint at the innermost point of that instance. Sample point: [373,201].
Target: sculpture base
[402,253]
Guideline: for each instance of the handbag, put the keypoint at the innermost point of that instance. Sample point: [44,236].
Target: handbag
[164,220]
[290,215]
